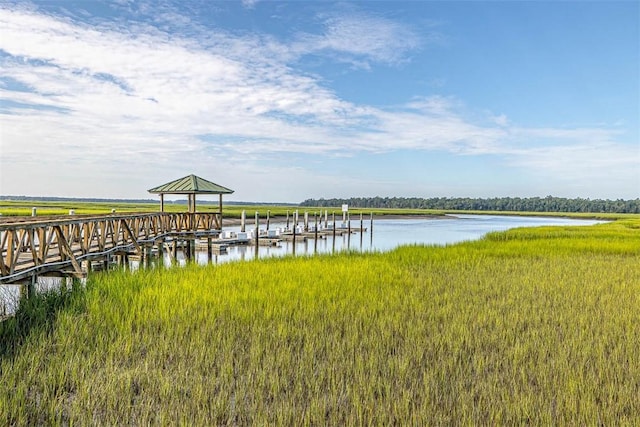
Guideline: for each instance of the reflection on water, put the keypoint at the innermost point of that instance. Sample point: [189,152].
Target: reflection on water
[386,235]
[10,294]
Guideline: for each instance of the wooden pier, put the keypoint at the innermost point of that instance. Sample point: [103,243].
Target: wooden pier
[67,246]
[71,246]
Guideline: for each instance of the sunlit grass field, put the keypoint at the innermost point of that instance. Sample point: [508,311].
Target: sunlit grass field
[49,208]
[532,326]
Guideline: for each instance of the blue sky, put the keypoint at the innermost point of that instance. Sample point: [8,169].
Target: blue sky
[284,101]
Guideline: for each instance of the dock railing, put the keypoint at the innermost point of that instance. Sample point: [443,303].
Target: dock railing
[30,246]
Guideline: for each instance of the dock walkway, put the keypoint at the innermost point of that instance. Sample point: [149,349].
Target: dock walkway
[66,245]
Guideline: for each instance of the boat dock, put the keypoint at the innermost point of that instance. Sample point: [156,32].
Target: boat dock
[73,245]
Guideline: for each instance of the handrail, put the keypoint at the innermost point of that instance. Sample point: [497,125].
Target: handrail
[33,244]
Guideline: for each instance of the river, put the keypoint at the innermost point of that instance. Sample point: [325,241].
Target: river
[390,233]
[386,235]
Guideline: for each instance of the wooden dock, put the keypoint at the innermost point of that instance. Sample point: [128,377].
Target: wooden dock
[67,245]
[71,246]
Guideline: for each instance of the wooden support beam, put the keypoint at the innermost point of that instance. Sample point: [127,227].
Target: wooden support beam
[10,261]
[219,225]
[37,246]
[132,237]
[4,240]
[64,247]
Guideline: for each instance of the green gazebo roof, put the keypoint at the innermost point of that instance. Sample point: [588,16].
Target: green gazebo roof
[190,184]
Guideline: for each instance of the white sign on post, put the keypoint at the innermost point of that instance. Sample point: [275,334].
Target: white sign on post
[345,208]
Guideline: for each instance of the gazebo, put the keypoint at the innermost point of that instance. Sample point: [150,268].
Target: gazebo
[190,185]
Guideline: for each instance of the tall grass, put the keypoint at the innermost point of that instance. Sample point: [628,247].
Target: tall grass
[47,208]
[535,326]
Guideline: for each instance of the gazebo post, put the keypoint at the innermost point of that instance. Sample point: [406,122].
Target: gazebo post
[161,202]
[220,211]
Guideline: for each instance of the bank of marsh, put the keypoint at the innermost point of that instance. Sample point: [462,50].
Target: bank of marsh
[527,326]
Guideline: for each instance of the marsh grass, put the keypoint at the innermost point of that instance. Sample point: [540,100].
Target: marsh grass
[49,208]
[530,326]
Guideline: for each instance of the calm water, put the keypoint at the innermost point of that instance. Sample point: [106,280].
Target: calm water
[390,233]
[387,234]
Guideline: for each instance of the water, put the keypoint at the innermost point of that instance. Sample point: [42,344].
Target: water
[390,233]
[387,234]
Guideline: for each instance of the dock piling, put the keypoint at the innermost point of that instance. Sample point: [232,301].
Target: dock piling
[315,232]
[257,234]
[333,214]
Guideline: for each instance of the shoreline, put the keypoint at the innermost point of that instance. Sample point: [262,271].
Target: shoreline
[365,218]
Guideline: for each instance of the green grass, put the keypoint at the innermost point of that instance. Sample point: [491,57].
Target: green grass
[530,326]
[45,208]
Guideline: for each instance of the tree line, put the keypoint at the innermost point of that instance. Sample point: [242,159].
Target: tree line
[518,204]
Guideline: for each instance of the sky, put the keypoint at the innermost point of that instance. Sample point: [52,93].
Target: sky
[286,101]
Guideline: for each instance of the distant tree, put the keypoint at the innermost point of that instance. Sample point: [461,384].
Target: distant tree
[532,204]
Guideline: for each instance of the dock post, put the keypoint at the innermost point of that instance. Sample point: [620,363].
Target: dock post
[344,219]
[294,237]
[187,250]
[287,220]
[86,266]
[334,231]
[315,232]
[142,254]
[257,234]
[268,216]
[147,256]
[31,286]
[361,230]
[175,251]
[348,230]
[160,244]
[124,260]
[243,220]
[371,230]
[295,218]
[209,250]
[306,221]
[34,211]
[326,219]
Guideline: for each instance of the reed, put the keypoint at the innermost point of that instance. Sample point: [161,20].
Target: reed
[47,208]
[535,326]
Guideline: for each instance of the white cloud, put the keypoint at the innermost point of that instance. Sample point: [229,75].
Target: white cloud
[360,39]
[586,169]
[103,96]
[249,4]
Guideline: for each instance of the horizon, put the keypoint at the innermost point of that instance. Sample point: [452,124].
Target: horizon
[305,100]
[281,203]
